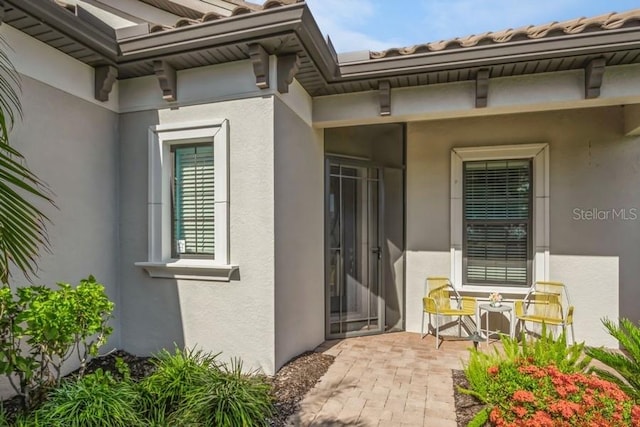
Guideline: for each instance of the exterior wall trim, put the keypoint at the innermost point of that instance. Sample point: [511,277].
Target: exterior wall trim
[541,236]
[160,263]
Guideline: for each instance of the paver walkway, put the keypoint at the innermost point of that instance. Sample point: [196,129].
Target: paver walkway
[389,380]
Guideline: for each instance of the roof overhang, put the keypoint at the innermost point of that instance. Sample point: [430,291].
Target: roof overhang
[291,29]
[593,43]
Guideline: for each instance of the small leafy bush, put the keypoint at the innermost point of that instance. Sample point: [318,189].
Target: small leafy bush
[95,400]
[627,365]
[41,328]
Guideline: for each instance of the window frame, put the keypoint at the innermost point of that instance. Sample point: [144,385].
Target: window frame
[161,262]
[465,236]
[539,155]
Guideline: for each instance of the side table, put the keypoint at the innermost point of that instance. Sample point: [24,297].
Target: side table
[495,309]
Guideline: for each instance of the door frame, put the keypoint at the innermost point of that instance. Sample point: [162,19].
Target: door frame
[354,162]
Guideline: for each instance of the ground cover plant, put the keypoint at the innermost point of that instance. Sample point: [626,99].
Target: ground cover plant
[544,383]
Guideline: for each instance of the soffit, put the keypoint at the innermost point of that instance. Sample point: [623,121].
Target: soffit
[208,32]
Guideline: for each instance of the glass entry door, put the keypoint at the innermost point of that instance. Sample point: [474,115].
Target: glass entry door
[354,304]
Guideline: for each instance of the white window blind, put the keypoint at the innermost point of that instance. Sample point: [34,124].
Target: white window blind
[193,200]
[497,222]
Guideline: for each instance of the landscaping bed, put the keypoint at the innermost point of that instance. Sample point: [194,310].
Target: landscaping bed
[289,385]
[466,406]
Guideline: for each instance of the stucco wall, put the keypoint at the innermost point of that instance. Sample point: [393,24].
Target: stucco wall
[299,235]
[236,317]
[72,145]
[592,166]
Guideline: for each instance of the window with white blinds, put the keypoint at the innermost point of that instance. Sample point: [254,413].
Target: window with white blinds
[193,201]
[497,222]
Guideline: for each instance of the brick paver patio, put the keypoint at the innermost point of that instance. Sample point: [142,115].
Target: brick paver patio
[388,380]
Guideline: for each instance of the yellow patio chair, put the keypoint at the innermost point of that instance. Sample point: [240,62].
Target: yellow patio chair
[440,294]
[548,303]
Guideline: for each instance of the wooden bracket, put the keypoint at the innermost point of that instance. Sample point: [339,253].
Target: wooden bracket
[167,78]
[384,91]
[288,66]
[593,73]
[260,59]
[105,77]
[482,87]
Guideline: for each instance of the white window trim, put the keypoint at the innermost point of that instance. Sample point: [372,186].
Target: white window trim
[539,153]
[160,262]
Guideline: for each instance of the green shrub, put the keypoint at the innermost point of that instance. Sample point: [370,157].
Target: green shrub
[41,328]
[540,352]
[95,400]
[626,366]
[230,398]
[495,377]
[190,388]
[175,376]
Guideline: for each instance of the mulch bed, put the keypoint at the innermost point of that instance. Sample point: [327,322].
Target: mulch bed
[290,384]
[466,406]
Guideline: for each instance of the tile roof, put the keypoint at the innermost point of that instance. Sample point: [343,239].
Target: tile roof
[204,13]
[609,21]
[241,8]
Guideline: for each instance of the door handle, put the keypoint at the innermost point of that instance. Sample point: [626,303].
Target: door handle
[377,250]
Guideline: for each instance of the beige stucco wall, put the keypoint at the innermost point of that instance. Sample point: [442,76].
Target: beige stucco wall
[236,317]
[71,144]
[592,165]
[299,235]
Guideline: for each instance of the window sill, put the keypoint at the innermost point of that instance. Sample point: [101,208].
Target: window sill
[202,270]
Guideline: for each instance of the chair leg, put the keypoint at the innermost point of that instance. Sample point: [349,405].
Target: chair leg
[437,332]
[459,326]
[422,326]
[573,335]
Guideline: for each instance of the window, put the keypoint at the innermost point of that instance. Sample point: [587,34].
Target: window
[188,202]
[497,222]
[193,201]
[499,216]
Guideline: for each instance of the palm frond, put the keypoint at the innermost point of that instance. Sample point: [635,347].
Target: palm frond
[22,223]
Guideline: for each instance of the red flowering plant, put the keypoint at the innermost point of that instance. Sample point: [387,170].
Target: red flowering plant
[543,383]
[527,395]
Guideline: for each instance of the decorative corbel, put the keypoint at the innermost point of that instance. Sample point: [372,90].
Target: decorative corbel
[288,66]
[105,77]
[260,59]
[167,78]
[593,73]
[482,87]
[384,91]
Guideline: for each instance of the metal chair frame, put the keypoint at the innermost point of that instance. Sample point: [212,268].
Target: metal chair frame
[437,304]
[547,305]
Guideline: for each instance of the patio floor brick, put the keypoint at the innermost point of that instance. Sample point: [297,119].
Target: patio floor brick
[395,379]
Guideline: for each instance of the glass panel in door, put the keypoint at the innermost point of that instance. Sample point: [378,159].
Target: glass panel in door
[353,237]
